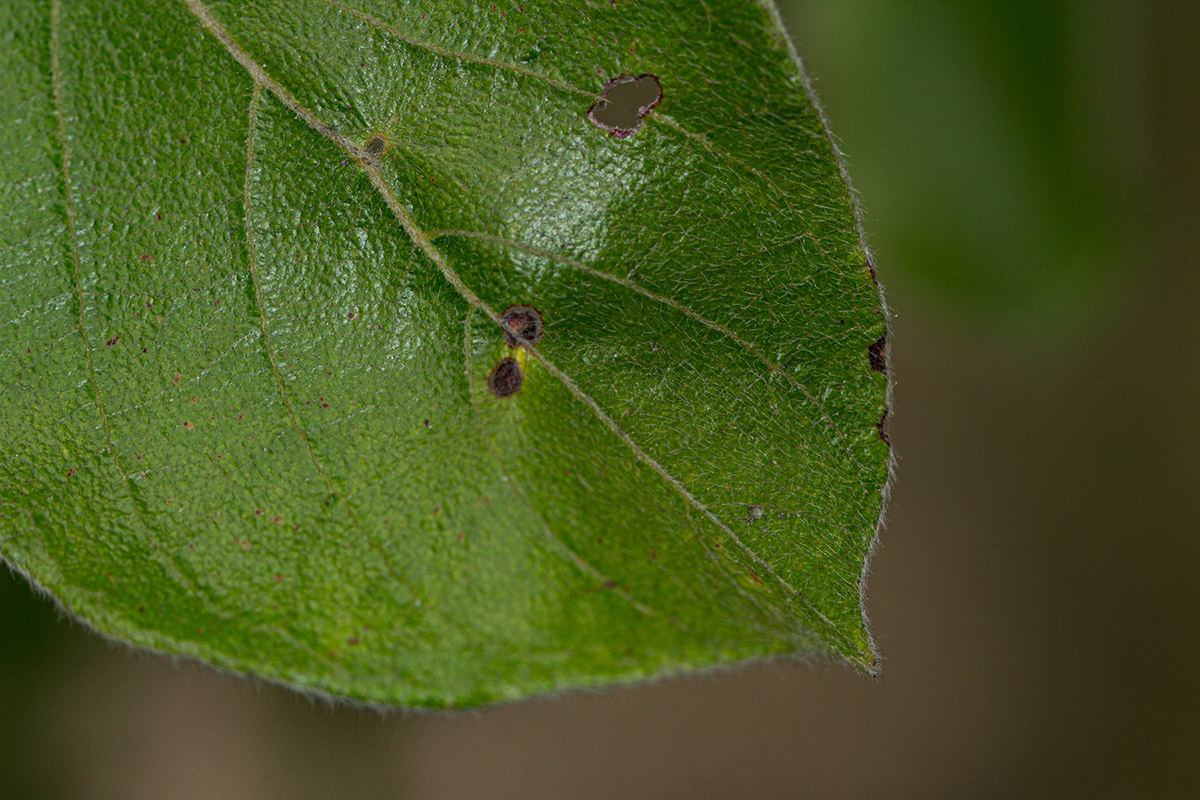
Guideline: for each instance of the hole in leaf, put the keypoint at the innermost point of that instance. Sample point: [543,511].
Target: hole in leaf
[505,378]
[626,100]
[522,326]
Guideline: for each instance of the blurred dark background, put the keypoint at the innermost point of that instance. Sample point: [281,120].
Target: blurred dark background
[1031,179]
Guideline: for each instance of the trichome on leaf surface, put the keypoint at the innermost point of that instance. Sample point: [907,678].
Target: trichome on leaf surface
[434,353]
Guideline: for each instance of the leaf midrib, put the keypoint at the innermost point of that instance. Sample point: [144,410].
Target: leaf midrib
[423,242]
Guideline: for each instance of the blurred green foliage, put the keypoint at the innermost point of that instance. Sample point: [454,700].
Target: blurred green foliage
[995,144]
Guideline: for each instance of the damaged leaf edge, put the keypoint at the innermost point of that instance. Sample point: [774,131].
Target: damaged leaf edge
[871,667]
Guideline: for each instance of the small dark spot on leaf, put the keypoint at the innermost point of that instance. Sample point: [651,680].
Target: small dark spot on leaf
[113,341]
[522,325]
[625,102]
[610,585]
[147,257]
[353,640]
[376,146]
[187,425]
[278,578]
[426,423]
[877,355]
[505,379]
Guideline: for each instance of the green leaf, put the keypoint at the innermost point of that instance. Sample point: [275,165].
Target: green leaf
[260,406]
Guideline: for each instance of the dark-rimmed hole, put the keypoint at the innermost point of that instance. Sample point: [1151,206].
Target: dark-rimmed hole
[627,99]
[522,326]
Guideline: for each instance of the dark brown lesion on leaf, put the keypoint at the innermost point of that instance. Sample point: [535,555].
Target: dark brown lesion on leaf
[881,426]
[877,355]
[522,326]
[505,378]
[626,100]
